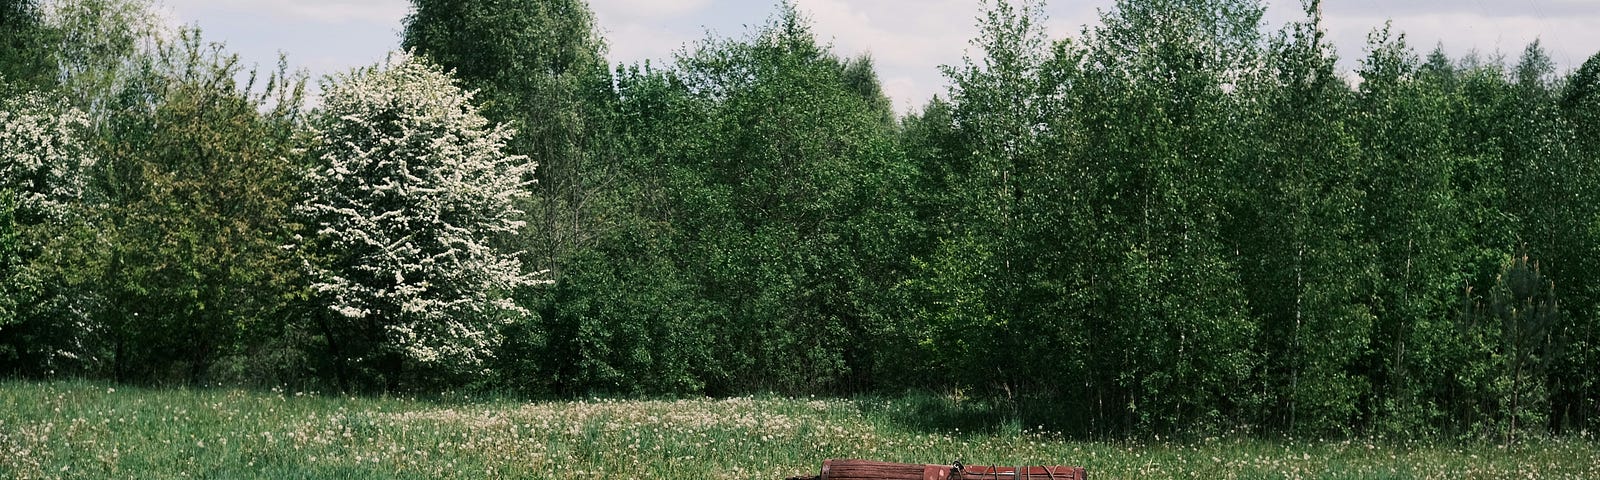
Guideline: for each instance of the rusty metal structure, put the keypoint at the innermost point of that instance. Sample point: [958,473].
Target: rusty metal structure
[871,470]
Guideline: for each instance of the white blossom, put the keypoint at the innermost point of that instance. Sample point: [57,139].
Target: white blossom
[409,185]
[42,159]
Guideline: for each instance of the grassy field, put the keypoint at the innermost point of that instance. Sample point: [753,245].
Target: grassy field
[85,430]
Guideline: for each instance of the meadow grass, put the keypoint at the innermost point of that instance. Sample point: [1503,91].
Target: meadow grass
[91,430]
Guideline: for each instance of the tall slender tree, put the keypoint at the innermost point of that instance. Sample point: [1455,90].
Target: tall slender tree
[1157,78]
[1578,394]
[1414,229]
[971,283]
[1301,244]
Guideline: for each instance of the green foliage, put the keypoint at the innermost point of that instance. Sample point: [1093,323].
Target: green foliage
[755,230]
[52,51]
[627,322]
[977,273]
[80,55]
[1298,230]
[788,208]
[1580,101]
[100,50]
[1172,223]
[1414,232]
[10,260]
[1576,392]
[197,196]
[24,35]
[956,328]
[630,320]
[538,67]
[1520,326]
[1173,310]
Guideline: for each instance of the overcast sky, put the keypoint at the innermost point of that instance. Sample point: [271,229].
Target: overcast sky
[909,39]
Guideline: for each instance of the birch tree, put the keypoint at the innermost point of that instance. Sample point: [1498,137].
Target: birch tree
[1298,234]
[1157,77]
[1579,105]
[408,192]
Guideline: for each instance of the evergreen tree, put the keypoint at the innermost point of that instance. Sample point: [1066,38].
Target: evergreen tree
[1521,321]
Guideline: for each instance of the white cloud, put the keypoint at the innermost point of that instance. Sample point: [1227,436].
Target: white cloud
[319,11]
[647,9]
[1569,40]
[907,93]
[910,39]
[899,32]
[632,42]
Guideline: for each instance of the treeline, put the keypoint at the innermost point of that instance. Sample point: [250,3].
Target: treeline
[1174,222]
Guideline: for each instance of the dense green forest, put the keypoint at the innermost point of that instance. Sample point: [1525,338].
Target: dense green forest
[1177,221]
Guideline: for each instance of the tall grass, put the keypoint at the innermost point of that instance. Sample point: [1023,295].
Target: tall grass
[87,430]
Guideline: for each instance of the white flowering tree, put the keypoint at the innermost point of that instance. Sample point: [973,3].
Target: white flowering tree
[43,166]
[42,156]
[408,191]
[43,163]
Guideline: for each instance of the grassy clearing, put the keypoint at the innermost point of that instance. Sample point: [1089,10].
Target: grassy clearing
[84,430]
